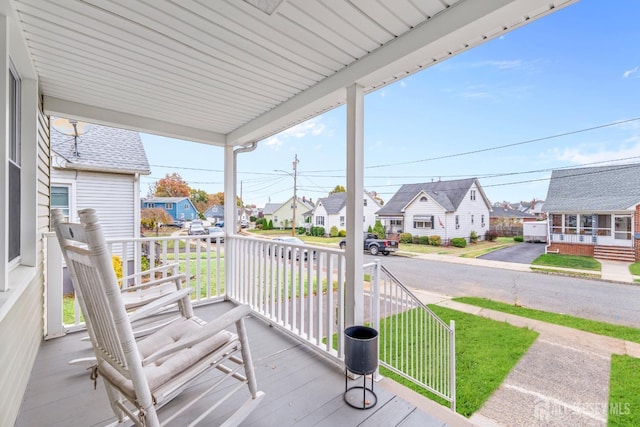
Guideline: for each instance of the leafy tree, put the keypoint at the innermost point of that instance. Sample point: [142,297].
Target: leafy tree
[378,229]
[151,218]
[200,199]
[217,198]
[338,189]
[172,186]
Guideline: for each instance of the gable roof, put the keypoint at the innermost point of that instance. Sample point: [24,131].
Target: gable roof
[214,209]
[448,194]
[333,203]
[506,212]
[270,208]
[165,199]
[594,189]
[102,149]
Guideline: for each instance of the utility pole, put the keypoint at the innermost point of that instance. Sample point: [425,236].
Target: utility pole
[295,195]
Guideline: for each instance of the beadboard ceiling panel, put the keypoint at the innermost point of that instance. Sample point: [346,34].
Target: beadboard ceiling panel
[226,72]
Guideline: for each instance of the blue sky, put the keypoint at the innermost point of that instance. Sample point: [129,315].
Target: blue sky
[542,92]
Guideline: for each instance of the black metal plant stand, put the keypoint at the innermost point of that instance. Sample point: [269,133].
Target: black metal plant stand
[360,357]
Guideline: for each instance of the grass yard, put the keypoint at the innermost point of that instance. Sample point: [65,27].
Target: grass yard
[626,333]
[568,261]
[486,351]
[624,392]
[635,268]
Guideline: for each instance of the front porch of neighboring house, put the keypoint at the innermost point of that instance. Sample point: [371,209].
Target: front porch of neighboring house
[602,235]
[296,332]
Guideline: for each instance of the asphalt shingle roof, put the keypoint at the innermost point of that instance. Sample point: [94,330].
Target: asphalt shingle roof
[594,189]
[501,212]
[448,194]
[270,208]
[102,148]
[334,202]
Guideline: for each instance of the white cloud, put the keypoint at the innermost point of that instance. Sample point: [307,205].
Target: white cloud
[632,73]
[579,156]
[312,127]
[274,142]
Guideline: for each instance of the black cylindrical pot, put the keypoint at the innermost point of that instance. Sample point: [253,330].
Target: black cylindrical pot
[361,349]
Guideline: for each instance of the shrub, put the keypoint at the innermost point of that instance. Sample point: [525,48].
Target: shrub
[415,240]
[459,242]
[144,263]
[270,226]
[435,240]
[518,239]
[406,238]
[116,261]
[490,236]
[333,232]
[378,229]
[473,237]
[317,231]
[342,233]
[423,240]
[300,230]
[259,221]
[369,230]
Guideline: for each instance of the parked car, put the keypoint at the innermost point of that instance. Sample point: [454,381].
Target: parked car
[374,245]
[215,232]
[197,230]
[295,241]
[219,224]
[244,223]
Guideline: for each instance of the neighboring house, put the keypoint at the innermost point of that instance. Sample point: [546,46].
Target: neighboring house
[507,221]
[100,169]
[180,208]
[214,213]
[444,208]
[595,212]
[332,210]
[281,214]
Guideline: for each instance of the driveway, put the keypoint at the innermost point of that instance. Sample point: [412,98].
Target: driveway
[524,253]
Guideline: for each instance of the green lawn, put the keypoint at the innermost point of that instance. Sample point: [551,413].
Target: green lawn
[635,268]
[626,333]
[624,391]
[568,261]
[486,351]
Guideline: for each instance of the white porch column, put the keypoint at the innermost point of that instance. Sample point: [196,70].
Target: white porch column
[354,299]
[4,153]
[230,227]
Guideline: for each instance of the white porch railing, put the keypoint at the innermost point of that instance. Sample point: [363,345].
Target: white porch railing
[414,342]
[200,257]
[299,289]
[619,239]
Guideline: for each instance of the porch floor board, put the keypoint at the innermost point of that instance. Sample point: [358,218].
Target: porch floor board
[302,388]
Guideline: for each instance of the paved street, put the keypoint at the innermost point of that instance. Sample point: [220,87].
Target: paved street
[587,298]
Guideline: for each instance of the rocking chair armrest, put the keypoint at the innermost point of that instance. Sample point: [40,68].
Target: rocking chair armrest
[157,305]
[207,331]
[178,278]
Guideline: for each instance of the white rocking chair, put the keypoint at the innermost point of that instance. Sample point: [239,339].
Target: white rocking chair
[141,376]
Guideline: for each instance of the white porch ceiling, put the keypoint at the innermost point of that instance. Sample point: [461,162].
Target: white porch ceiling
[225,72]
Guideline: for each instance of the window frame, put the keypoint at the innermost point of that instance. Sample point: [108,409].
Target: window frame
[14,165]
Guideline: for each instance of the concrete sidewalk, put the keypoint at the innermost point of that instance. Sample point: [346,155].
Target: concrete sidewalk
[612,271]
[563,379]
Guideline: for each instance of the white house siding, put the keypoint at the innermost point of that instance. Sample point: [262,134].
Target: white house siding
[329,221]
[369,211]
[469,207]
[425,209]
[21,327]
[111,195]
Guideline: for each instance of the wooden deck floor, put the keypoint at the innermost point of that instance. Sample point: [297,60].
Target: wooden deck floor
[302,388]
